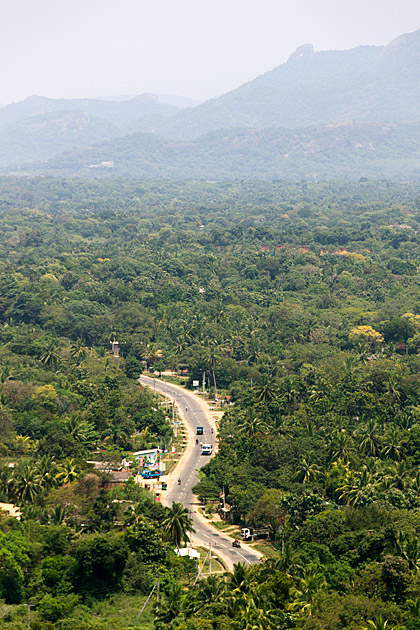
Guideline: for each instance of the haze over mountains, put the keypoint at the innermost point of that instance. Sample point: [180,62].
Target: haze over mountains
[333,114]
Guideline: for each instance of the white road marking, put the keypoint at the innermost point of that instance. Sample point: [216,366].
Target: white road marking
[239,554]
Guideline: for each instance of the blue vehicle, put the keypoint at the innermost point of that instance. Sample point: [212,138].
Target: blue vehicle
[150,474]
[200,430]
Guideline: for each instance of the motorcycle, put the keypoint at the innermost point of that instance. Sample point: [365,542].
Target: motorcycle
[236,543]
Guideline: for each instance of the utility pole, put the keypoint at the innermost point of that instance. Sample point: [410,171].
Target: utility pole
[29,616]
[204,381]
[210,560]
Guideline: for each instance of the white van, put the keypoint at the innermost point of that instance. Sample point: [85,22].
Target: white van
[206,449]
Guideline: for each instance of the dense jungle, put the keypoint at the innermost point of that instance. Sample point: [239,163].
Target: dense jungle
[301,304]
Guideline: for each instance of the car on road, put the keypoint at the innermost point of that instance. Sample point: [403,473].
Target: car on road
[247,533]
[200,430]
[150,474]
[206,449]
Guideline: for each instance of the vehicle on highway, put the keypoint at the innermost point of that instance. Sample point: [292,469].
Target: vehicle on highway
[200,430]
[236,543]
[206,449]
[150,474]
[247,533]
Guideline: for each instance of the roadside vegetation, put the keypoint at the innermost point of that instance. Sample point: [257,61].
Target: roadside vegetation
[301,304]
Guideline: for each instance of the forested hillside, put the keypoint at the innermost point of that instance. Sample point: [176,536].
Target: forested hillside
[301,302]
[367,83]
[345,151]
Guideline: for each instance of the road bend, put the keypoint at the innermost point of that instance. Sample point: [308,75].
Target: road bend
[194,413]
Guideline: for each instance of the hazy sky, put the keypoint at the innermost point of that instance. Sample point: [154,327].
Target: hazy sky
[196,48]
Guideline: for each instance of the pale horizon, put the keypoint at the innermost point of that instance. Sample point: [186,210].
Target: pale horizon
[198,50]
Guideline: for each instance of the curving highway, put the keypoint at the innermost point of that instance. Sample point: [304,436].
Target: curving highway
[194,412]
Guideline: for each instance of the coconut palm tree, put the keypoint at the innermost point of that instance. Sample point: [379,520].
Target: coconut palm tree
[359,488]
[151,354]
[398,476]
[379,624]
[407,546]
[370,440]
[68,471]
[265,390]
[81,430]
[212,358]
[47,469]
[171,605]
[307,471]
[341,446]
[304,594]
[393,448]
[252,425]
[7,482]
[78,350]
[134,515]
[50,355]
[177,524]
[27,483]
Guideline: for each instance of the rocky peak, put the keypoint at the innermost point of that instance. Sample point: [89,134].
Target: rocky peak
[302,54]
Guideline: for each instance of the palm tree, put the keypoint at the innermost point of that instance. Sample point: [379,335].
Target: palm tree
[27,483]
[265,392]
[289,390]
[171,606]
[212,358]
[350,364]
[304,594]
[68,471]
[407,546]
[7,482]
[134,515]
[307,471]
[151,353]
[370,442]
[379,624]
[253,350]
[341,446]
[252,425]
[359,488]
[393,448]
[50,355]
[81,430]
[78,351]
[398,476]
[177,524]
[47,469]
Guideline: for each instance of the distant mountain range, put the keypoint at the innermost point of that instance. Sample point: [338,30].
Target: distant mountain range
[334,114]
[368,83]
[339,151]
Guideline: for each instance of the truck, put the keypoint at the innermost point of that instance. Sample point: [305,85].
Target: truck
[206,449]
[151,474]
[248,533]
[200,430]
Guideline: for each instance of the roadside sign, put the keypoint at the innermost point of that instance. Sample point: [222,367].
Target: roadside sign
[196,383]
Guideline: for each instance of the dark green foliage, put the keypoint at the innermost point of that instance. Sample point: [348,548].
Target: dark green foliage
[100,562]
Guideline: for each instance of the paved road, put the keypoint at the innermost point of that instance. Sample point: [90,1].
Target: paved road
[195,413]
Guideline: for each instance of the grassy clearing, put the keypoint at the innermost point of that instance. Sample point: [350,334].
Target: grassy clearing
[216,564]
[267,549]
[115,612]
